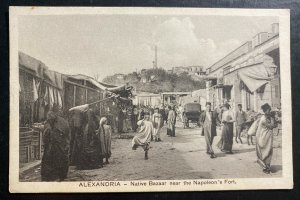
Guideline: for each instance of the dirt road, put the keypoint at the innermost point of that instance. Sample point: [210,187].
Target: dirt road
[182,157]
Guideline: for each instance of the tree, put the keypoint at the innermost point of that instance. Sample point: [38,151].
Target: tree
[160,81]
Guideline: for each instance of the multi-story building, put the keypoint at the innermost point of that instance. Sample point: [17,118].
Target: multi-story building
[192,70]
[249,75]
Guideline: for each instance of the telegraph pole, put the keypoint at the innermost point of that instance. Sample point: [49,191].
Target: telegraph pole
[155,56]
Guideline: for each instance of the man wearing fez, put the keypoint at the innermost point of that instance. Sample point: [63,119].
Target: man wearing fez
[55,161]
[209,120]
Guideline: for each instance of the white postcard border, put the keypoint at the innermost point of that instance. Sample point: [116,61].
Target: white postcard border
[285,182]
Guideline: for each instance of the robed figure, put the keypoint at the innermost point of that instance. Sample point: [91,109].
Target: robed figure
[209,120]
[264,139]
[226,141]
[171,122]
[91,144]
[55,161]
[143,138]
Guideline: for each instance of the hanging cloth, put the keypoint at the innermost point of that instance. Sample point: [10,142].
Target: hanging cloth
[46,96]
[59,100]
[55,96]
[51,97]
[35,91]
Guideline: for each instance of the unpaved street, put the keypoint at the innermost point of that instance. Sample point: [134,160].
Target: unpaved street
[182,157]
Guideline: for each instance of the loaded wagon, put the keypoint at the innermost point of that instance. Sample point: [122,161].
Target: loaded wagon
[191,113]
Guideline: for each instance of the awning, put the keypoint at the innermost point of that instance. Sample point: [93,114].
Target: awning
[40,70]
[32,65]
[121,90]
[54,78]
[254,77]
[89,79]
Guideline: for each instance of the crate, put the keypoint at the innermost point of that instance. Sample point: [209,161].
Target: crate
[29,145]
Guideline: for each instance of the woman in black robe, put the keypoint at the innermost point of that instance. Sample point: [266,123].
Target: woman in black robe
[56,138]
[77,123]
[90,151]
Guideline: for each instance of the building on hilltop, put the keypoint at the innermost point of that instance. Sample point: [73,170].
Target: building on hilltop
[191,70]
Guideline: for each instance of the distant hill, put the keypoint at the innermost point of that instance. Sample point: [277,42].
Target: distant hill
[157,80]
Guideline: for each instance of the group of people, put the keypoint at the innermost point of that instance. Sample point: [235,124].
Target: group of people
[83,142]
[150,125]
[262,127]
[126,117]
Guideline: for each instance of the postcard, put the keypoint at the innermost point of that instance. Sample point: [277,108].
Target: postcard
[149,99]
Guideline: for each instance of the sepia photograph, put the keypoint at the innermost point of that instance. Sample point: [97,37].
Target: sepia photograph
[149,99]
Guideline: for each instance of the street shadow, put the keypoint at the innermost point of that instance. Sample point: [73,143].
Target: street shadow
[276,168]
[220,155]
[177,139]
[243,151]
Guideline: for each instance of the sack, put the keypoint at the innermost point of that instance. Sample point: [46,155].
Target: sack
[253,128]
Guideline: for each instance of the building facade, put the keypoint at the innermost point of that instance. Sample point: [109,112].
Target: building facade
[249,75]
[191,70]
[147,99]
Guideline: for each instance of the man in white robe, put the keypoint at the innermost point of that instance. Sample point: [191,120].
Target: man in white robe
[143,138]
[157,124]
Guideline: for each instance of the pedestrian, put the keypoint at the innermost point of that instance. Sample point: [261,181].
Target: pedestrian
[209,120]
[77,125]
[125,119]
[157,124]
[151,111]
[166,114]
[55,161]
[114,112]
[225,144]
[171,122]
[141,114]
[240,118]
[251,118]
[163,114]
[106,130]
[143,138]
[134,118]
[121,120]
[91,145]
[181,112]
[264,138]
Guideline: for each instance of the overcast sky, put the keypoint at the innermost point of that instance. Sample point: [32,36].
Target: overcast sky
[109,44]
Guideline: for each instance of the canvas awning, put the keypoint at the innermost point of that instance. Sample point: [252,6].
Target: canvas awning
[89,79]
[103,86]
[32,65]
[40,70]
[254,77]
